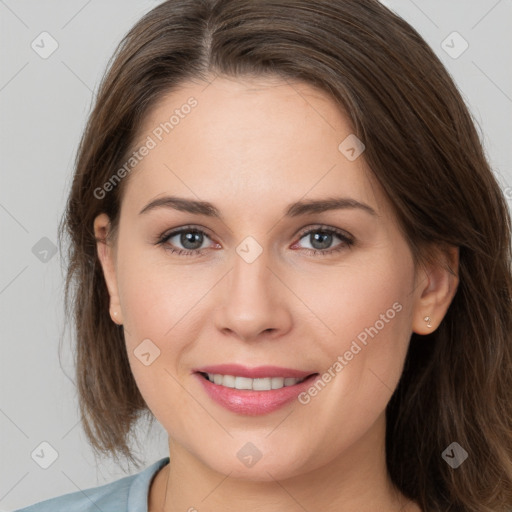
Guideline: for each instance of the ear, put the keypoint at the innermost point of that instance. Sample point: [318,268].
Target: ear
[107,257]
[436,284]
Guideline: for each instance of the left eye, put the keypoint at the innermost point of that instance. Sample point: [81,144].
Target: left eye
[322,238]
[192,240]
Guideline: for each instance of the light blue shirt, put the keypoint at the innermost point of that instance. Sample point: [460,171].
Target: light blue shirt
[128,494]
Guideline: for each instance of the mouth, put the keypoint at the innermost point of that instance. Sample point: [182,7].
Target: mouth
[253,391]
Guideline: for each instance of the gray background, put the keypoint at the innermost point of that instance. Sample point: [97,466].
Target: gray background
[43,107]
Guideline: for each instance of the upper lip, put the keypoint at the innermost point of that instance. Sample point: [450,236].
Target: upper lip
[257,372]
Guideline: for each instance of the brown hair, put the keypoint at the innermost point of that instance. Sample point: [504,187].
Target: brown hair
[422,146]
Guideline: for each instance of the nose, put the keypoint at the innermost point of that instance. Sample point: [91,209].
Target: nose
[253,301]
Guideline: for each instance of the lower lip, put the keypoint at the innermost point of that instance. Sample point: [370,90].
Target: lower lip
[253,403]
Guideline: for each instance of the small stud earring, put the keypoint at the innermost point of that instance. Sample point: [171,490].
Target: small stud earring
[427,319]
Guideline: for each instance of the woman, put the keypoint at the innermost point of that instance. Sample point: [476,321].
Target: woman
[287,246]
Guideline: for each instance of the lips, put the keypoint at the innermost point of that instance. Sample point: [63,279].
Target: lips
[253,400]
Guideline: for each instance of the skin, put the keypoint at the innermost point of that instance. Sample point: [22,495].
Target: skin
[251,147]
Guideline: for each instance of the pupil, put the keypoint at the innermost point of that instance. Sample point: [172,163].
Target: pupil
[324,238]
[188,237]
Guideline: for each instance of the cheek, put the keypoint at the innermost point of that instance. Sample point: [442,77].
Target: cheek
[368,312]
[155,294]
[375,294]
[160,317]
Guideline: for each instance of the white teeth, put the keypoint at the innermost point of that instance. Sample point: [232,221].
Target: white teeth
[243,383]
[277,382]
[261,384]
[227,380]
[264,384]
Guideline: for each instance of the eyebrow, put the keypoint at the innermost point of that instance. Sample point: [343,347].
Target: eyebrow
[296,209]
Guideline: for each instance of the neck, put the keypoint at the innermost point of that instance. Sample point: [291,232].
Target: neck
[355,480]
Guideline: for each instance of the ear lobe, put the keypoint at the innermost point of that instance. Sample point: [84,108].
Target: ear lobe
[438,284]
[106,256]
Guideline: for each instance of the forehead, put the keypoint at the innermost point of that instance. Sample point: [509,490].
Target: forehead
[248,139]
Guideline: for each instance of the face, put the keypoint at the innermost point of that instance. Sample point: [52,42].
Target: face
[258,290]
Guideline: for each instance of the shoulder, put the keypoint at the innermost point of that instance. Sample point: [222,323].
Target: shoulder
[128,493]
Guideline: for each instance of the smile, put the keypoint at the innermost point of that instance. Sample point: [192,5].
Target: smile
[260,384]
[253,391]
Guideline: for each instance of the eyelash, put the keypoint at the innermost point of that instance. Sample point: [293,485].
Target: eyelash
[347,241]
